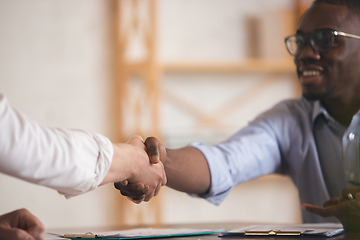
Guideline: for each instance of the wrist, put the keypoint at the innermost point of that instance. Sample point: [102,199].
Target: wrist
[121,166]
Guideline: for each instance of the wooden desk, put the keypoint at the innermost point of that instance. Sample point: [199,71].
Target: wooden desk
[226,226]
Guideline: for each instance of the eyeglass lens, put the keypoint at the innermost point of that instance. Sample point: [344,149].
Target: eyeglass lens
[320,41]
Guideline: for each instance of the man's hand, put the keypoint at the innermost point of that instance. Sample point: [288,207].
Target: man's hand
[20,225]
[187,171]
[346,208]
[146,172]
[138,191]
[155,150]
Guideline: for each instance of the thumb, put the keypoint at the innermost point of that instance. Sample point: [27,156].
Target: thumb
[153,148]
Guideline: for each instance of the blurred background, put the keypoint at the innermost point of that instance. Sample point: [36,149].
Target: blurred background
[180,70]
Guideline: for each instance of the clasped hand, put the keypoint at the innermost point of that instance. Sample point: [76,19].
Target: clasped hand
[346,208]
[138,190]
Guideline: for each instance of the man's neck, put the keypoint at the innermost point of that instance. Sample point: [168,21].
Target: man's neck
[342,112]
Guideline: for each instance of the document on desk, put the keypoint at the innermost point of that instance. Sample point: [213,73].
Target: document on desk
[142,233]
[298,230]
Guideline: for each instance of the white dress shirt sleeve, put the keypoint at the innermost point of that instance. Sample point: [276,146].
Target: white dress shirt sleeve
[70,161]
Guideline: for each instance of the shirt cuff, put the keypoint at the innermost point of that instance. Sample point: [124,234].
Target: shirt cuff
[221,182]
[102,165]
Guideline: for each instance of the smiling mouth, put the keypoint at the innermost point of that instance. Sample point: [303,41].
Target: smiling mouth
[310,73]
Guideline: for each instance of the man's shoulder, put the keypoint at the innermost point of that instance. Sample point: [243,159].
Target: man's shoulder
[288,114]
[289,120]
[299,105]
[291,108]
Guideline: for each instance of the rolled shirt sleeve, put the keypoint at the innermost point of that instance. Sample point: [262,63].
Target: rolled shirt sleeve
[249,154]
[256,150]
[70,161]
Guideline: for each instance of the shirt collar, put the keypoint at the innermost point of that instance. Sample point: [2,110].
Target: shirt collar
[317,110]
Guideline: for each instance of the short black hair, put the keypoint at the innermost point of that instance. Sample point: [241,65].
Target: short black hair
[353,5]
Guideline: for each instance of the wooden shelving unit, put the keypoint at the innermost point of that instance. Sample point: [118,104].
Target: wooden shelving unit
[251,65]
[246,66]
[149,71]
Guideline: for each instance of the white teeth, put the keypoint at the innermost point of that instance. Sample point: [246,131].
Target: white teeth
[311,73]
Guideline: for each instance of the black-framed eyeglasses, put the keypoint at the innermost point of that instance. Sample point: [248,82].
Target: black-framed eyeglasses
[321,41]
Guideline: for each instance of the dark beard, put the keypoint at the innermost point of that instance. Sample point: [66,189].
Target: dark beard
[314,97]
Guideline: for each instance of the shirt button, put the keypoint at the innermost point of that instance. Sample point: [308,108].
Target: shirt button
[352,176]
[351,136]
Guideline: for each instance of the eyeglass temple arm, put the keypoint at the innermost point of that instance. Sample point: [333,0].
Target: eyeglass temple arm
[346,34]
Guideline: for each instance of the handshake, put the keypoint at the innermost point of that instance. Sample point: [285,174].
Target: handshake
[139,165]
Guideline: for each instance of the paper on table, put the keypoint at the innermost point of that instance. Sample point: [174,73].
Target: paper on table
[140,233]
[315,229]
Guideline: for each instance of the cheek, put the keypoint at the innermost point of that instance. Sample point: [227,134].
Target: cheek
[351,58]
[351,66]
[344,58]
[345,69]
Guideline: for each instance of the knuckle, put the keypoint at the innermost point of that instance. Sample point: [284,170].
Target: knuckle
[20,235]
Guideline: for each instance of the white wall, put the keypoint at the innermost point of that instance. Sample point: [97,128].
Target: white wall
[55,67]
[211,30]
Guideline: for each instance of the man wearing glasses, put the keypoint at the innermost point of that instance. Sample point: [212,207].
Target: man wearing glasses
[315,140]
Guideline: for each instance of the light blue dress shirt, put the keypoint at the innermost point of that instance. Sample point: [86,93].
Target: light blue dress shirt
[288,139]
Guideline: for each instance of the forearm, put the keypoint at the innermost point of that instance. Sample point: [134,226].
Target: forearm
[187,170]
[69,161]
